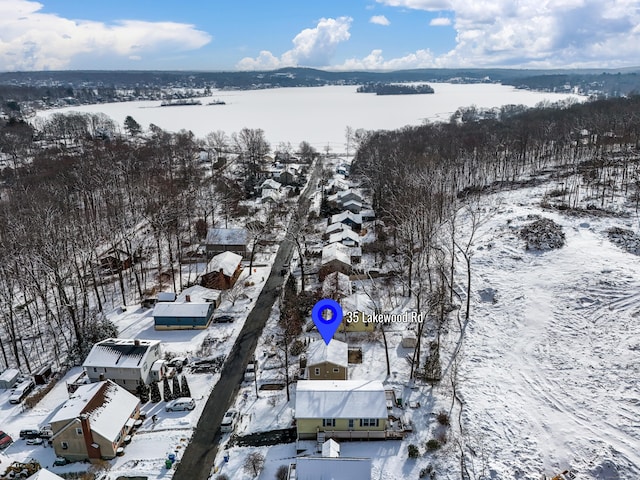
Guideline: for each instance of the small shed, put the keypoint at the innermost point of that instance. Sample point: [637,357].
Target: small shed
[42,376]
[166,297]
[9,378]
[158,370]
[409,339]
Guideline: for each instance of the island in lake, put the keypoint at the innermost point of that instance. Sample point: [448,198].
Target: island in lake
[394,89]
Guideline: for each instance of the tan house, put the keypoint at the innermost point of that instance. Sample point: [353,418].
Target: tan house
[93,423]
[327,362]
[337,409]
[357,309]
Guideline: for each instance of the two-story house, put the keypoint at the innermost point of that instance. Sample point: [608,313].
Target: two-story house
[125,361]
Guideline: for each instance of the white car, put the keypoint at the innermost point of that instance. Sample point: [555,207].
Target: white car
[181,404]
[229,421]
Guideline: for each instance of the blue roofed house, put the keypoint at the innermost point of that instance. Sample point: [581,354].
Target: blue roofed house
[193,309]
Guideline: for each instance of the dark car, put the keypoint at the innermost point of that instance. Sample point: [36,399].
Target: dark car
[5,440]
[29,433]
[223,319]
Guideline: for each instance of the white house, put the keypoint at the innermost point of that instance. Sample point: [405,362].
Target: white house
[125,361]
[346,237]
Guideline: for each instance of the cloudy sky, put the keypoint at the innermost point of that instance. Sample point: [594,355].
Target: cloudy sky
[332,34]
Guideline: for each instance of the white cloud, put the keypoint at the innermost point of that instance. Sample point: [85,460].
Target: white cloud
[312,47]
[375,61]
[440,22]
[31,40]
[380,20]
[534,33]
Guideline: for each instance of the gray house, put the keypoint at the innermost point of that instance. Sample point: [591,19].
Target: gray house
[226,240]
[126,362]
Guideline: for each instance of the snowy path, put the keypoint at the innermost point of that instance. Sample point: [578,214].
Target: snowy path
[550,371]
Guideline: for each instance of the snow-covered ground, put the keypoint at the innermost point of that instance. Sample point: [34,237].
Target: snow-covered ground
[549,369]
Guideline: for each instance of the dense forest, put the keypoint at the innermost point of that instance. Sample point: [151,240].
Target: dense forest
[394,89]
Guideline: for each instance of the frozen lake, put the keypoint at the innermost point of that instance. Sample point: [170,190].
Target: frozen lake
[318,115]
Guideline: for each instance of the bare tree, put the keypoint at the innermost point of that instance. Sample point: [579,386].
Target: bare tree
[254,463]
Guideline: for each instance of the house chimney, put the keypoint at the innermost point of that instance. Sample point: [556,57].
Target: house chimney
[93,449]
[136,342]
[187,298]
[101,377]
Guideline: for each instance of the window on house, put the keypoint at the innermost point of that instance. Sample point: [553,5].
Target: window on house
[79,431]
[328,422]
[317,371]
[351,423]
[336,370]
[369,422]
[64,445]
[95,369]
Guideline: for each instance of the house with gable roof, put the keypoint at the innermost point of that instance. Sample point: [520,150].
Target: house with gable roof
[335,258]
[327,362]
[193,309]
[127,362]
[93,423]
[222,271]
[349,409]
[227,240]
[354,220]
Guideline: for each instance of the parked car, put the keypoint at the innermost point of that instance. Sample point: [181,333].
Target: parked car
[20,391]
[60,461]
[229,421]
[5,440]
[29,433]
[35,441]
[181,404]
[223,319]
[178,363]
[46,432]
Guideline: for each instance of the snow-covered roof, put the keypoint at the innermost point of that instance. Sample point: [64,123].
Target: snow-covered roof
[357,302]
[346,234]
[186,309]
[269,194]
[108,405]
[331,449]
[319,468]
[336,352]
[336,284]
[199,294]
[346,215]
[270,184]
[166,297]
[340,399]
[336,227]
[120,352]
[336,251]
[226,236]
[225,261]
[350,194]
[9,374]
[44,474]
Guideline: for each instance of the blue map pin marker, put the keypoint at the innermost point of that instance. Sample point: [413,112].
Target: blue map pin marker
[327,323]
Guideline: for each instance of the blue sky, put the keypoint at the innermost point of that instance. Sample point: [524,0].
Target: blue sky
[330,34]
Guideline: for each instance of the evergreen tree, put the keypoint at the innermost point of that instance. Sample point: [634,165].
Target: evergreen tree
[143,392]
[166,390]
[176,387]
[185,391]
[155,393]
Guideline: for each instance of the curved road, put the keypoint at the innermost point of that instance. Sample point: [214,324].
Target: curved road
[198,459]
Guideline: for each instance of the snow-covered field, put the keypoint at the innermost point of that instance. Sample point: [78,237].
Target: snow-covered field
[318,115]
[549,369]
